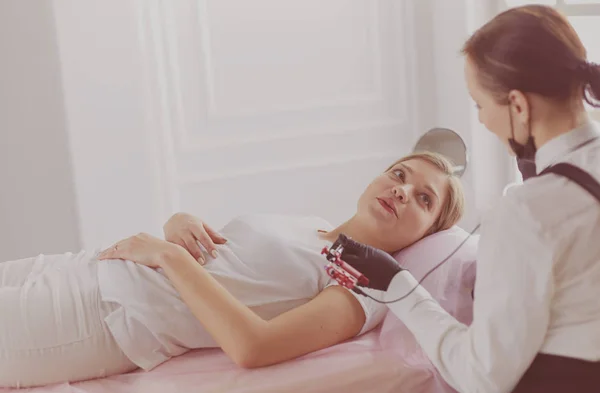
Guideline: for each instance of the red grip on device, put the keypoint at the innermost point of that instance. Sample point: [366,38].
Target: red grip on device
[348,276]
[361,278]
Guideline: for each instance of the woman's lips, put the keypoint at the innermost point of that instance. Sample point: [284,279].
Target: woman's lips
[388,205]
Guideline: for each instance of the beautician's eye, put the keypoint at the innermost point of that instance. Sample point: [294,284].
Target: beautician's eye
[477,106]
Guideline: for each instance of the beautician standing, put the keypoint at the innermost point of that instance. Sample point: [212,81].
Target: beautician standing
[536,325]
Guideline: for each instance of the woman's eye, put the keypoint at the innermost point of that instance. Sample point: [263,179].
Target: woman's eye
[477,106]
[426,200]
[399,174]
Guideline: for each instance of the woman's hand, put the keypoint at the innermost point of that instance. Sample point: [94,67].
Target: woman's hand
[142,249]
[377,265]
[186,230]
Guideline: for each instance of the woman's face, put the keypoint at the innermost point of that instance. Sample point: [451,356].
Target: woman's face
[492,115]
[403,203]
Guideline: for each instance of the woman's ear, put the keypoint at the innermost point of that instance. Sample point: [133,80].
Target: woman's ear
[519,104]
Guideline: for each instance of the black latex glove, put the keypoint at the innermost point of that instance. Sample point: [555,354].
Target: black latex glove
[377,265]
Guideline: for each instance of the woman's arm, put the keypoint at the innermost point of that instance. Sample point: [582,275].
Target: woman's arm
[331,317]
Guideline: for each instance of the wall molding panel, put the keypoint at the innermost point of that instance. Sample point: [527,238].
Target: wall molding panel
[227,99]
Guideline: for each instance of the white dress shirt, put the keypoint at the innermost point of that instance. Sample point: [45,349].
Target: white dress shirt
[538,280]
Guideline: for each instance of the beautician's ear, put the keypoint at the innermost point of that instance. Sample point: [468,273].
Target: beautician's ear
[519,104]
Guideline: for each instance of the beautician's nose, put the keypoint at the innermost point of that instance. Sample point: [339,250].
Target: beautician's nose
[401,191]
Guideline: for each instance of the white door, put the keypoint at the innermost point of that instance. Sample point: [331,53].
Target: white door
[281,106]
[274,106]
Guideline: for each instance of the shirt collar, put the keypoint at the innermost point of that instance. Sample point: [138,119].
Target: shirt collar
[563,144]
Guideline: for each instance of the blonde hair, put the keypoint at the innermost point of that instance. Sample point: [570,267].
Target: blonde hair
[454,206]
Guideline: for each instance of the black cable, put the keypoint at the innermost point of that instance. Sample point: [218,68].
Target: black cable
[360,291]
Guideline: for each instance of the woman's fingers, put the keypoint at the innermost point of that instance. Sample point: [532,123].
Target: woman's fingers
[205,240]
[190,244]
[192,234]
[214,235]
[350,246]
[207,237]
[113,252]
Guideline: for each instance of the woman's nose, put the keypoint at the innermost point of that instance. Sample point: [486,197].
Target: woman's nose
[401,192]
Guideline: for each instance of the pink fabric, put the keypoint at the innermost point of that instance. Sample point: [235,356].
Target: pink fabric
[453,282]
[387,359]
[370,363]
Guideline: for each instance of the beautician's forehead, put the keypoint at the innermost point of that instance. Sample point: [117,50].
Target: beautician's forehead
[469,71]
[470,78]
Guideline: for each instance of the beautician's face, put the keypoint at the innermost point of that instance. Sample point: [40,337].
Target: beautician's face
[492,115]
[403,203]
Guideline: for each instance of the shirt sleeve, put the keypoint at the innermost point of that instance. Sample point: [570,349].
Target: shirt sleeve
[513,290]
[374,311]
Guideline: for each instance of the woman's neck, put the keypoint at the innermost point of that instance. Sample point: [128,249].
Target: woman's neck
[556,123]
[355,229]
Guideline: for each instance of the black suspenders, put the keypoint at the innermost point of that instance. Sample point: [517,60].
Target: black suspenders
[553,373]
[576,174]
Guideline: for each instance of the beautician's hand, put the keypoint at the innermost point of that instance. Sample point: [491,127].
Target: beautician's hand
[377,265]
[144,249]
[186,230]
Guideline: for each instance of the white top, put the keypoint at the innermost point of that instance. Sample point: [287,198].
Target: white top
[538,280]
[270,263]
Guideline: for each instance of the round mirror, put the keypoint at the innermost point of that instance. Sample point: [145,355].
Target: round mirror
[447,143]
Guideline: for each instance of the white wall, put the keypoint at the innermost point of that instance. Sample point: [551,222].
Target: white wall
[152,130]
[490,167]
[114,153]
[197,106]
[37,200]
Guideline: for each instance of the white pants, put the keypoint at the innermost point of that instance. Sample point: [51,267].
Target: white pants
[52,326]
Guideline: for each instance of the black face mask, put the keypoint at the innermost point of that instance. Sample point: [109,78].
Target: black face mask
[525,153]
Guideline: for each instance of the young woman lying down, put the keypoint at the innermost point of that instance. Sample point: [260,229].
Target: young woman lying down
[264,296]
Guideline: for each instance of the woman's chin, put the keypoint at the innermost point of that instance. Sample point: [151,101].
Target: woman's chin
[383,213]
[381,217]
